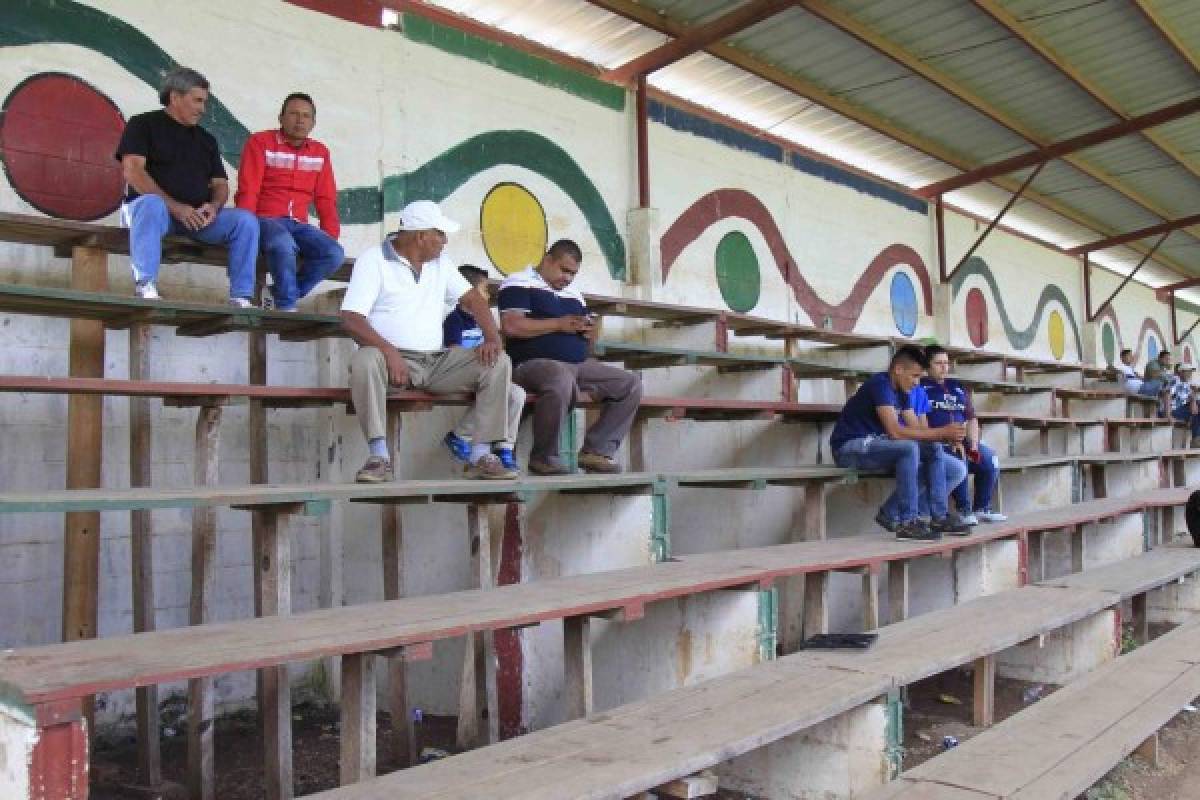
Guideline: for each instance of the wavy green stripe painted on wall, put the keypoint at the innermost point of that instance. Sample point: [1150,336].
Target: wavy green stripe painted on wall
[510,59]
[1018,338]
[39,21]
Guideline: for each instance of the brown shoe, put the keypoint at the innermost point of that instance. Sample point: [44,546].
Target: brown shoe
[539,467]
[490,468]
[376,470]
[594,462]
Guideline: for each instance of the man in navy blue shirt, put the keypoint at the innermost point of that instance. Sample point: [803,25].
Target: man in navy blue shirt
[869,436]
[950,403]
[548,337]
[459,329]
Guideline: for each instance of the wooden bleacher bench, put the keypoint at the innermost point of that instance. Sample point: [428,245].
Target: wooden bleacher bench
[1068,741]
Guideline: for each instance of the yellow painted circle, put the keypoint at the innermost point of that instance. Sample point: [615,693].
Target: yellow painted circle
[1058,335]
[513,224]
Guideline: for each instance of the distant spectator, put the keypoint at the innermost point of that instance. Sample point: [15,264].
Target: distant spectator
[176,183]
[1127,373]
[1183,400]
[1157,375]
[869,436]
[459,329]
[281,174]
[950,402]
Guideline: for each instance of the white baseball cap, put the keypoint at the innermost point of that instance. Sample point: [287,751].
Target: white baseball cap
[424,215]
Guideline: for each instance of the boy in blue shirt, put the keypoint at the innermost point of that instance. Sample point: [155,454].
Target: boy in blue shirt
[949,403]
[869,435]
[459,329]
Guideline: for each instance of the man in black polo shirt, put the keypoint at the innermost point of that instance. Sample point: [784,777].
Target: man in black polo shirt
[176,183]
[548,335]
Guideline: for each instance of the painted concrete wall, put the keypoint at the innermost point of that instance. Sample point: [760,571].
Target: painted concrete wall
[17,738]
[737,226]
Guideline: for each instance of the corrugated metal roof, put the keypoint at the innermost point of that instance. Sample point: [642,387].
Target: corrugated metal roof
[1105,61]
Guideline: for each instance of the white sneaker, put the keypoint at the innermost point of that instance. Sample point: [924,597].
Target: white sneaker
[969,519]
[147,291]
[240,302]
[991,516]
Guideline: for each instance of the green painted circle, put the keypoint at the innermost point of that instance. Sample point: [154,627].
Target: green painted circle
[738,275]
[1109,340]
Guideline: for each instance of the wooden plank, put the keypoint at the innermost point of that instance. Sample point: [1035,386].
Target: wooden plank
[577,652]
[84,456]
[983,707]
[357,760]
[394,587]
[1138,575]
[870,597]
[141,544]
[201,713]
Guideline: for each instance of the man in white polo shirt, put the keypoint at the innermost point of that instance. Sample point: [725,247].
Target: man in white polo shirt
[393,309]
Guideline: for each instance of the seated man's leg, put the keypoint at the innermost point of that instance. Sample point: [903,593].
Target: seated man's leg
[368,391]
[962,498]
[620,391]
[320,257]
[987,474]
[275,239]
[148,221]
[554,384]
[931,481]
[898,456]
[460,370]
[238,230]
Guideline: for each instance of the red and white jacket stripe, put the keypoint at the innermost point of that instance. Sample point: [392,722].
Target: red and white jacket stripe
[276,179]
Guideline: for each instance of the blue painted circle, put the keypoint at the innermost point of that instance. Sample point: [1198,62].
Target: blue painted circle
[1151,346]
[904,304]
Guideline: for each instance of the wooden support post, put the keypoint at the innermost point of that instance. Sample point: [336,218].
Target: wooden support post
[141,545]
[478,691]
[984,707]
[1037,556]
[816,605]
[577,648]
[403,735]
[1141,617]
[358,717]
[1043,440]
[81,529]
[273,596]
[1166,524]
[58,769]
[1148,750]
[1099,482]
[898,578]
[1078,548]
[200,723]
[637,445]
[808,524]
[870,592]
[813,525]
[1179,472]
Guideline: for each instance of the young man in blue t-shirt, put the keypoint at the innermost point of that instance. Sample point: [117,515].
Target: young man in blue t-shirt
[459,329]
[869,436]
[548,335]
[950,402]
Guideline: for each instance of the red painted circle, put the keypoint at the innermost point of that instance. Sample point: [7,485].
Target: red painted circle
[977,318]
[57,138]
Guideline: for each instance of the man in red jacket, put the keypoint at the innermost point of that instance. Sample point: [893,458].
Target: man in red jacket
[282,173]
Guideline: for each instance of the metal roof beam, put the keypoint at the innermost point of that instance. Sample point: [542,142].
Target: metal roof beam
[695,39]
[1035,43]
[1133,236]
[843,21]
[802,87]
[1064,148]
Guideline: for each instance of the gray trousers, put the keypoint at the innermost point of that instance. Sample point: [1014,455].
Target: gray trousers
[438,372]
[556,384]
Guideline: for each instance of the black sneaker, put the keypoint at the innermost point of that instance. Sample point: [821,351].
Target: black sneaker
[916,531]
[882,521]
[952,524]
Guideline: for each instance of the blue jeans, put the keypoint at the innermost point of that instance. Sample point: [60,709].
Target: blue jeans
[1184,415]
[902,457]
[940,472]
[149,221]
[282,239]
[987,473]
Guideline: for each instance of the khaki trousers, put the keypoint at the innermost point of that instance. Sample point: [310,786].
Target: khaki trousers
[516,406]
[438,372]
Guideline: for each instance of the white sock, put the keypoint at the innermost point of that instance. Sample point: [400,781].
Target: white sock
[479,450]
[379,447]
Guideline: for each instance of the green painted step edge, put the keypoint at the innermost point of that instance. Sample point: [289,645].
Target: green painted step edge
[511,60]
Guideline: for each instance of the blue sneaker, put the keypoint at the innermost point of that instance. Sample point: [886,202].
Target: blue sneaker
[458,447]
[507,458]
